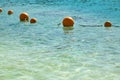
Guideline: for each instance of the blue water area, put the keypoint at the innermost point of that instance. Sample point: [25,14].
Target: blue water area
[48,51]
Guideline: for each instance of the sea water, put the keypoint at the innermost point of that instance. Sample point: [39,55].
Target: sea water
[47,51]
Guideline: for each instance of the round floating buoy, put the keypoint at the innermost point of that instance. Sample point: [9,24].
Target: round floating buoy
[24,17]
[68,21]
[108,24]
[10,12]
[0,10]
[33,20]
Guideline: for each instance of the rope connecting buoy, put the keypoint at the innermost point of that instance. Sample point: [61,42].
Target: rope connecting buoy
[33,20]
[10,12]
[68,21]
[24,17]
[1,10]
[108,24]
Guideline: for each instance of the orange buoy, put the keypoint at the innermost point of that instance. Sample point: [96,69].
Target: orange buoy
[33,20]
[0,10]
[108,24]
[24,17]
[10,12]
[68,21]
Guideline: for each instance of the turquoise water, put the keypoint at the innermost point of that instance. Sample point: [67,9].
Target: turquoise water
[47,51]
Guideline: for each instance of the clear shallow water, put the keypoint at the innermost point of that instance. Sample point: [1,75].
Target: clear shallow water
[46,51]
